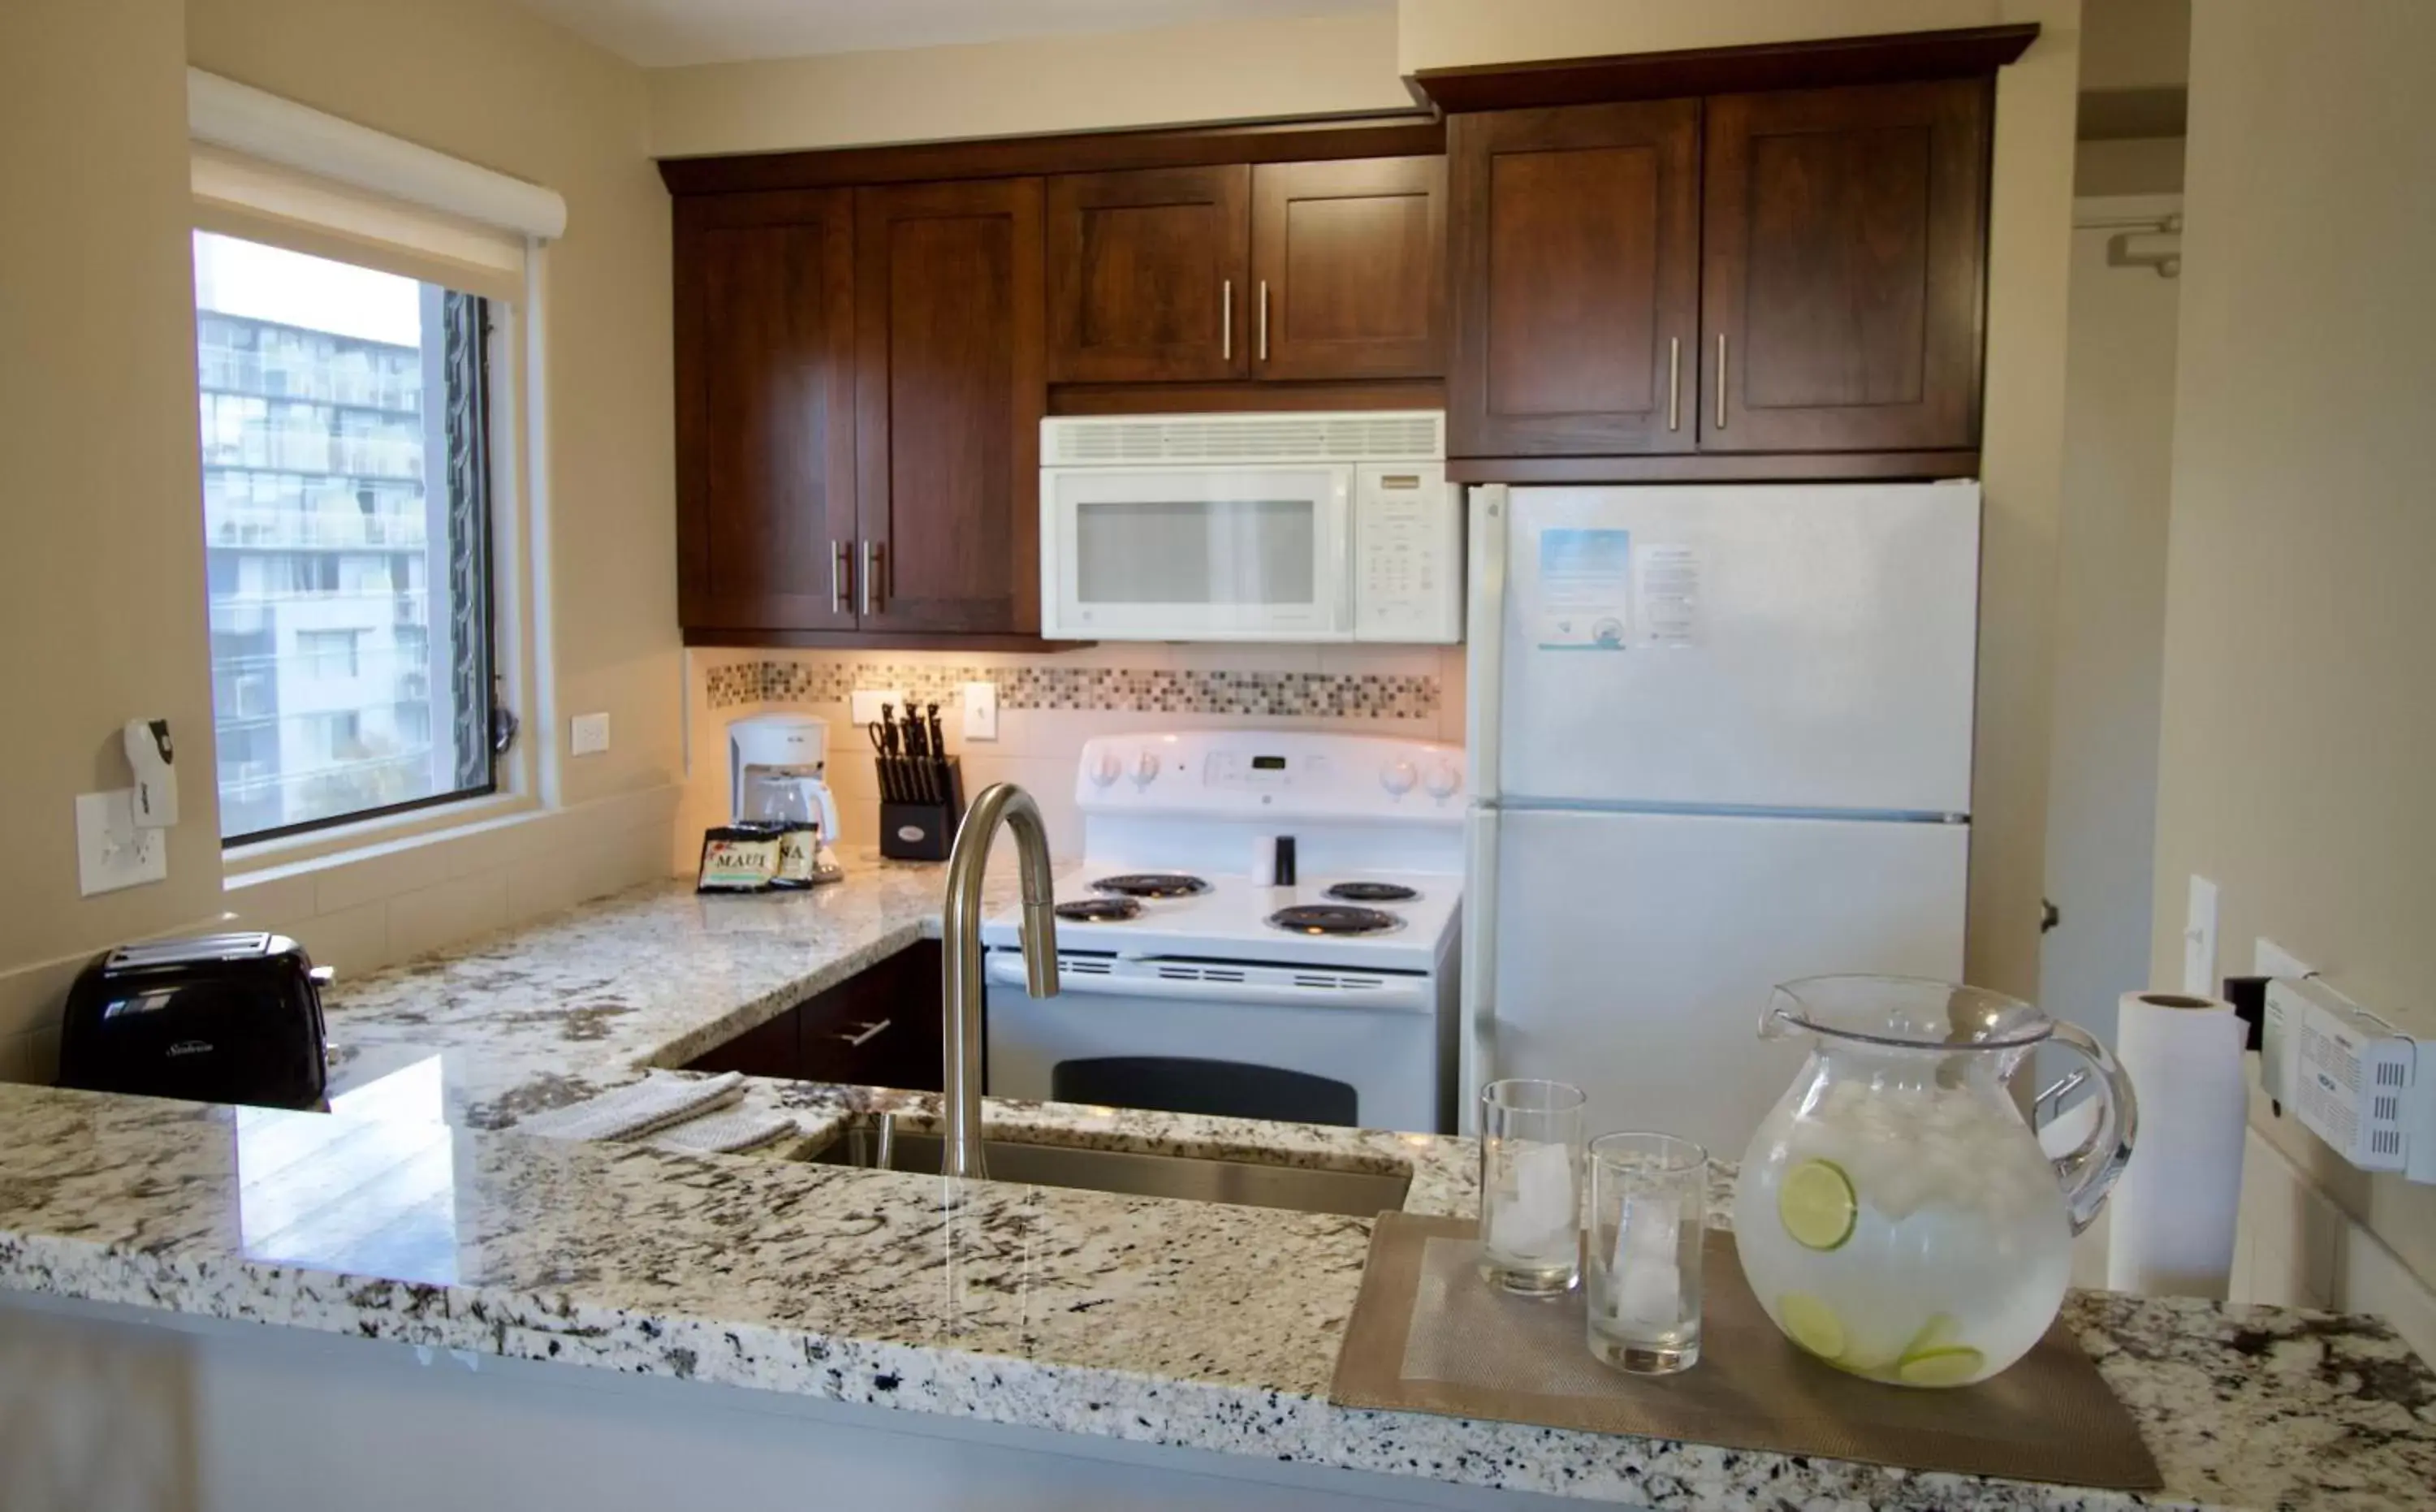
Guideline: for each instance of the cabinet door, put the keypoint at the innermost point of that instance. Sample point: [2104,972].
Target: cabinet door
[770,1049]
[1348,268]
[1146,274]
[880,1028]
[1842,295]
[765,410]
[1576,280]
[948,331]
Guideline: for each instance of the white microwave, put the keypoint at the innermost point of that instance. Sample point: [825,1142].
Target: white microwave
[1309,527]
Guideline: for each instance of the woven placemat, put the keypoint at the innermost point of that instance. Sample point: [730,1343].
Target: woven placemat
[1429,1335]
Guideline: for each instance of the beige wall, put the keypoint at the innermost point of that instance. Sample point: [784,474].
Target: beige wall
[103,598]
[1247,70]
[2028,276]
[101,591]
[2135,44]
[2298,709]
[2132,165]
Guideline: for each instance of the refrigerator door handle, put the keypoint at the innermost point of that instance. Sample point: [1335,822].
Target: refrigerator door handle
[1484,637]
[1476,1031]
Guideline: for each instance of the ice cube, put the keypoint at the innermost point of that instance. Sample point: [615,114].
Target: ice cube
[1646,1282]
[1541,1216]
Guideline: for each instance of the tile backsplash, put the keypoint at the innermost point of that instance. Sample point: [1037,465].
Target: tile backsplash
[1049,704]
[1125,690]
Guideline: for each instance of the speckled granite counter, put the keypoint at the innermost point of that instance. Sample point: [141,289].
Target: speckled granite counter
[410,1215]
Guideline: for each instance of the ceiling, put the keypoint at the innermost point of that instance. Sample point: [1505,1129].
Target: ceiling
[670,33]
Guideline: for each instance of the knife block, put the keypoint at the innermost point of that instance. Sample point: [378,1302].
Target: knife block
[924,831]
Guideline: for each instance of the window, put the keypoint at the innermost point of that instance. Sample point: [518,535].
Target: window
[346,520]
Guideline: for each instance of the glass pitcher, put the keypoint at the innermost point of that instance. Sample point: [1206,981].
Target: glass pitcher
[1896,1216]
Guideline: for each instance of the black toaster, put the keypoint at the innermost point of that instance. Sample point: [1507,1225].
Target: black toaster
[210,1018]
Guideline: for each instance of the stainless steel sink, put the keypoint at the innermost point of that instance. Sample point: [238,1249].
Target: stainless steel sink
[1191,1179]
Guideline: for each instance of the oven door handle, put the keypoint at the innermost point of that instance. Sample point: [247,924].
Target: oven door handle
[1395,992]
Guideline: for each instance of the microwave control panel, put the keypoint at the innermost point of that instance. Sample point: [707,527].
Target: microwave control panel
[1407,554]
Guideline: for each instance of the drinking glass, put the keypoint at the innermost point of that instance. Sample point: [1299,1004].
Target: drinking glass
[1531,1186]
[1649,1210]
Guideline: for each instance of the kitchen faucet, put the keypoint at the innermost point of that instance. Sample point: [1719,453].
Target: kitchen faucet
[961,971]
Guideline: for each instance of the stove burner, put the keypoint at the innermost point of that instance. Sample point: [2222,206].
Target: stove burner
[1099,909]
[1328,918]
[1372,892]
[1152,884]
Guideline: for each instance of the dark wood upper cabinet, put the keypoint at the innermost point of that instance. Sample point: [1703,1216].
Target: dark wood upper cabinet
[765,408]
[949,395]
[1148,274]
[1576,280]
[1845,253]
[1348,268]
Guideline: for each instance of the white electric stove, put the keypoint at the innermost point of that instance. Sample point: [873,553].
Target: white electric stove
[1194,980]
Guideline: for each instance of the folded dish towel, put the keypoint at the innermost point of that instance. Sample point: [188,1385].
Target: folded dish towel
[732,1131]
[643,1107]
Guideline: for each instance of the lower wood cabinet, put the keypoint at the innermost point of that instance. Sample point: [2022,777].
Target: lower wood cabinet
[880,1028]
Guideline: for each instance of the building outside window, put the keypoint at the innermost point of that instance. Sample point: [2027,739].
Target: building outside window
[345,459]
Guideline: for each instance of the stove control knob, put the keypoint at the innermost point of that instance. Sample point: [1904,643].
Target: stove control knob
[1146,769]
[1397,777]
[1108,769]
[1444,779]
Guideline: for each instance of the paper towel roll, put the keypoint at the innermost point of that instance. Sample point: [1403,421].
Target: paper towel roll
[2169,1231]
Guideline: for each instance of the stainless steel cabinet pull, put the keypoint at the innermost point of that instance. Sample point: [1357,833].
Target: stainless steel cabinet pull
[1264,319]
[1721,380]
[861,1034]
[1674,383]
[1227,319]
[874,583]
[841,571]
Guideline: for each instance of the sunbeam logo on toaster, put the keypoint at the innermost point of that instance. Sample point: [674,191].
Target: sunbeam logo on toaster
[192,1047]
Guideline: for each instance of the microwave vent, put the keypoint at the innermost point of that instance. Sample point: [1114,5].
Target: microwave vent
[1411,435]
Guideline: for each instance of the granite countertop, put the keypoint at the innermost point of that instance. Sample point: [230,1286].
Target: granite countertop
[414,1213]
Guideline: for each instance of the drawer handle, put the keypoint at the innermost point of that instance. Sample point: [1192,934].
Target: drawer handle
[1227,319]
[866,1034]
[1674,383]
[1721,380]
[840,573]
[1264,319]
[873,582]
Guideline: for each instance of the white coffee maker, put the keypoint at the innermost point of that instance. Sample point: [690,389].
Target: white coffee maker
[776,773]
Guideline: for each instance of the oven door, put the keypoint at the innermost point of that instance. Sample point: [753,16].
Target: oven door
[1360,1048]
[1195,553]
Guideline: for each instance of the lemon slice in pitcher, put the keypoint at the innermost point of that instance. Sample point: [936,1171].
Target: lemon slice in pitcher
[1817,1205]
[1950,1365]
[1811,1323]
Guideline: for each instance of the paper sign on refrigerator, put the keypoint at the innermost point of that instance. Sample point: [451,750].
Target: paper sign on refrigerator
[1585,590]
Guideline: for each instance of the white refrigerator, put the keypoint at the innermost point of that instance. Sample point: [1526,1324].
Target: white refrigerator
[1720,738]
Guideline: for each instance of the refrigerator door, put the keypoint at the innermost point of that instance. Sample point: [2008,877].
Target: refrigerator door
[1783,648]
[1634,952]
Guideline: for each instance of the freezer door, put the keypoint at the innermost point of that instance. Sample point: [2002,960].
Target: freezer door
[1635,952]
[1805,647]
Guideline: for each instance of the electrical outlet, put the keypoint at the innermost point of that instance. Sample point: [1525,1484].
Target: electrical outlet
[981,711]
[589,734]
[2199,940]
[868,700]
[111,852]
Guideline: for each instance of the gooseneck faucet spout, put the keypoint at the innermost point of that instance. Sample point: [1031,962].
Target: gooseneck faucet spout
[962,985]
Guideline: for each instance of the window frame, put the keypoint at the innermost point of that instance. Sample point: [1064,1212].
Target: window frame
[515,778]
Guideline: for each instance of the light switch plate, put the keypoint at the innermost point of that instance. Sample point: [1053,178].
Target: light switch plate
[111,852]
[981,711]
[589,734]
[867,701]
[2199,940]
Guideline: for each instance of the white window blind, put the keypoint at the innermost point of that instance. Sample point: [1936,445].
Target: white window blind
[269,169]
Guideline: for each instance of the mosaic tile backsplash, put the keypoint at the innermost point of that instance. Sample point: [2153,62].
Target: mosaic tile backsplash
[1149,690]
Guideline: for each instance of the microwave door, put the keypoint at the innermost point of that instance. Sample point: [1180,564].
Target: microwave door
[1197,553]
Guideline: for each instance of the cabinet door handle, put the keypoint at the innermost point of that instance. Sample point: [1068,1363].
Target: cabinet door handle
[859,1035]
[1264,319]
[873,585]
[1674,383]
[841,574]
[1721,380]
[1227,319]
